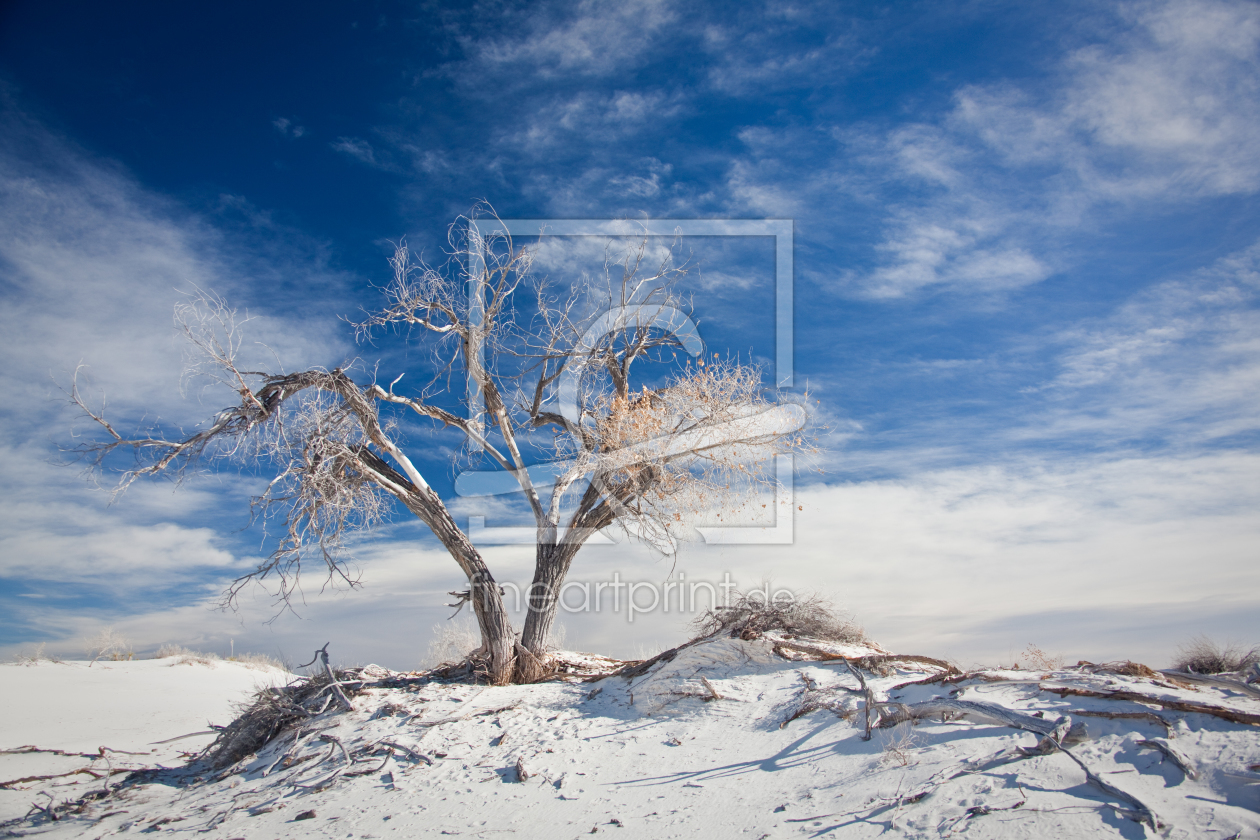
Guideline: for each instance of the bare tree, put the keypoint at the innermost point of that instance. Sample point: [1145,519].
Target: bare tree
[646,459]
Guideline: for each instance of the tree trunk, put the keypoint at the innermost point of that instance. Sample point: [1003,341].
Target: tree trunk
[497,637]
[550,568]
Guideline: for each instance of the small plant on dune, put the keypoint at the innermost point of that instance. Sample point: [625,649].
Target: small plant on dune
[555,640]
[1201,655]
[109,644]
[642,652]
[899,742]
[35,657]
[184,656]
[751,616]
[1039,660]
[259,661]
[452,643]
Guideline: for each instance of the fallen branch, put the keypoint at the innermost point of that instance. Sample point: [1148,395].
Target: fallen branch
[985,810]
[26,779]
[870,696]
[637,669]
[322,656]
[418,756]
[1220,682]
[986,712]
[322,783]
[1150,716]
[389,753]
[1183,764]
[466,715]
[333,739]
[46,810]
[467,705]
[30,748]
[182,737]
[866,662]
[1145,814]
[1178,705]
[712,690]
[294,763]
[814,698]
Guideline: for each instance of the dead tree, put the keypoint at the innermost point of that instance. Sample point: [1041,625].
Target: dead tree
[646,459]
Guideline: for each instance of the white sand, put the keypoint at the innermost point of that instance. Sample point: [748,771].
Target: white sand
[123,706]
[649,758]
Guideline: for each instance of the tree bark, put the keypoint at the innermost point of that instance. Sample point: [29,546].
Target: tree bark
[551,566]
[497,637]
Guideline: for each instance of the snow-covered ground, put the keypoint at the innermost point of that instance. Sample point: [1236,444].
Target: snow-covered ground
[720,741]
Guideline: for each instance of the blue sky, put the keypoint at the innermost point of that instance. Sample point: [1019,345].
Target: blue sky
[1027,257]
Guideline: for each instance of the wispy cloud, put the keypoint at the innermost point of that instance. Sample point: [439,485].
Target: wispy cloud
[288,127]
[360,150]
[760,49]
[552,40]
[986,197]
[1179,362]
[1165,108]
[612,118]
[92,267]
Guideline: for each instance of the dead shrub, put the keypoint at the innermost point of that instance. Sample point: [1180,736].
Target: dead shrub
[453,643]
[36,656]
[1201,655]
[184,656]
[258,661]
[110,644]
[899,743]
[272,711]
[750,617]
[1039,660]
[1132,669]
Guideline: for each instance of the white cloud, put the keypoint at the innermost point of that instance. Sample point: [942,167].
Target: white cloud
[360,150]
[606,119]
[962,255]
[757,49]
[288,127]
[1168,107]
[968,562]
[609,191]
[1180,361]
[92,266]
[1173,368]
[1182,95]
[549,41]
[1165,107]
